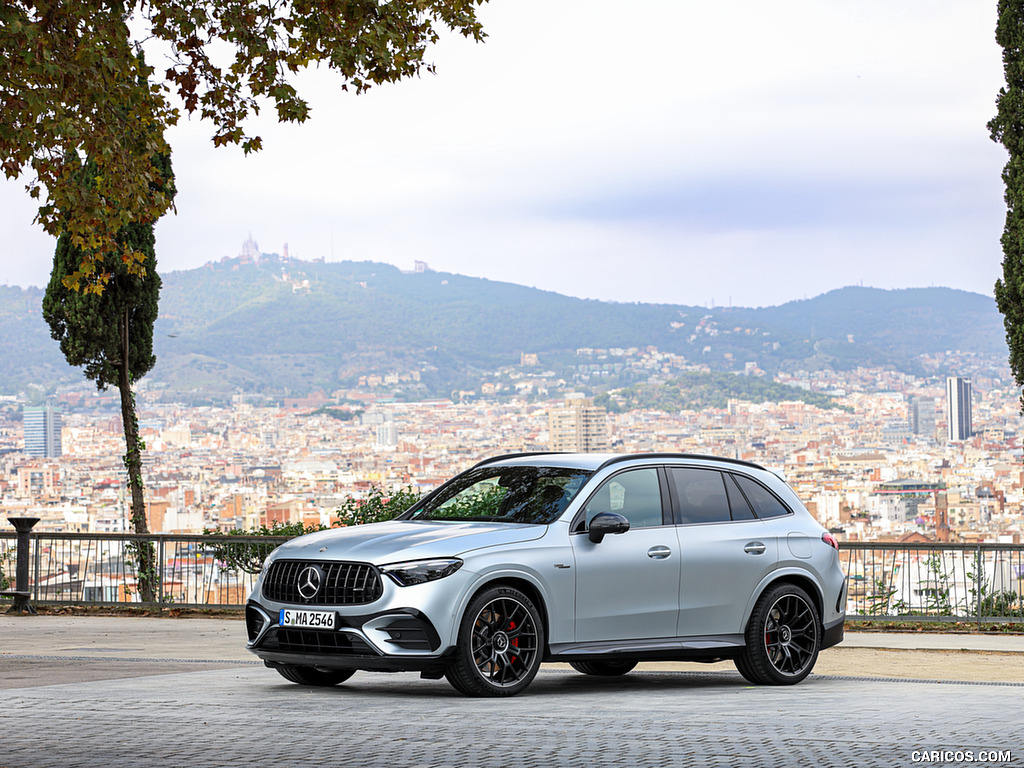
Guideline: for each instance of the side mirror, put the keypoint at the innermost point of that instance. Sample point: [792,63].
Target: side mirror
[605,523]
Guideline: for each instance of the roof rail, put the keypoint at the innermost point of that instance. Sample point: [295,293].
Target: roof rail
[630,456]
[505,456]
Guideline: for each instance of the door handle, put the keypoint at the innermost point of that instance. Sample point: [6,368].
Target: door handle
[659,553]
[754,548]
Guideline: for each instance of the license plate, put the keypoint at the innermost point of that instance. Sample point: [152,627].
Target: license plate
[308,619]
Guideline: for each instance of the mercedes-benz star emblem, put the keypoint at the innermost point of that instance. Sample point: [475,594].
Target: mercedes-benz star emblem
[310,579]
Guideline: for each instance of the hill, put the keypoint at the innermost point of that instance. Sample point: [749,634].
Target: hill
[286,326]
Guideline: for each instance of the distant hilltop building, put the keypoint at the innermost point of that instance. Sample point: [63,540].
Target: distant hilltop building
[958,408]
[250,250]
[42,432]
[579,427]
[418,267]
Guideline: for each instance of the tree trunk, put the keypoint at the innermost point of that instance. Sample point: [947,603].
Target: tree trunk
[146,556]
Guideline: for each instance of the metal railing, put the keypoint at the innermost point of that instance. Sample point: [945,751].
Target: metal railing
[982,583]
[193,571]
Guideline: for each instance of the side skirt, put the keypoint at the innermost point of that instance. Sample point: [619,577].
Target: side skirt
[697,648]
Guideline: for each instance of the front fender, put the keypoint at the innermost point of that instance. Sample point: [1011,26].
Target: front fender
[552,605]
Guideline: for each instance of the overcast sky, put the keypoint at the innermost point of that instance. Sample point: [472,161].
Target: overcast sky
[659,151]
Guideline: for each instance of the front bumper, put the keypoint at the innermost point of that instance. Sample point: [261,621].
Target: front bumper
[401,639]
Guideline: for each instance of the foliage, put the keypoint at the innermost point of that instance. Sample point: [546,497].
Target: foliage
[1002,603]
[91,327]
[479,501]
[76,84]
[231,326]
[376,507]
[450,328]
[880,602]
[248,556]
[937,595]
[1007,128]
[7,563]
[142,555]
[336,413]
[985,601]
[110,334]
[695,390]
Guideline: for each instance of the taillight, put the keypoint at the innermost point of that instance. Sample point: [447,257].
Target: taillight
[831,540]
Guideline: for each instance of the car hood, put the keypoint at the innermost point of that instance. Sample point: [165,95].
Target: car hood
[399,540]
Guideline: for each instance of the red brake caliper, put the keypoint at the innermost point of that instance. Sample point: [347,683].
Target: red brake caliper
[515,641]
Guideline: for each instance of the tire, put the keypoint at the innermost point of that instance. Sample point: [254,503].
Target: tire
[744,669]
[604,668]
[783,637]
[314,675]
[500,645]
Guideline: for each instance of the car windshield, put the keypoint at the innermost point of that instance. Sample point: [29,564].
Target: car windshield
[537,495]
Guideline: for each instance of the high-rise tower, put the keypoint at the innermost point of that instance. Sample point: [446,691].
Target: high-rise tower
[958,408]
[42,426]
[921,416]
[579,427]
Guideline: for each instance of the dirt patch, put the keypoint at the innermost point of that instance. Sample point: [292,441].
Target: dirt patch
[128,611]
[964,666]
[951,666]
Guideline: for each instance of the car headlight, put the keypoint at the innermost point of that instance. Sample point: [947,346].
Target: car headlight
[420,571]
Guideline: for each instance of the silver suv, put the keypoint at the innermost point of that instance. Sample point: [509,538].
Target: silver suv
[598,560]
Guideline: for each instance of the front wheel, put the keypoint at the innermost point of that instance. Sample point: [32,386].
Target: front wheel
[500,644]
[314,675]
[782,639]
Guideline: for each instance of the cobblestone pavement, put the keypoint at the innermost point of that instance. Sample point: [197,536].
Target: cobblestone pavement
[246,715]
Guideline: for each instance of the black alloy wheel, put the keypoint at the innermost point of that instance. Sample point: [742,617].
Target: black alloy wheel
[315,675]
[500,645]
[604,668]
[782,639]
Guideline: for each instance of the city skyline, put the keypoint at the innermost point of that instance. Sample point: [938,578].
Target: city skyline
[747,155]
[240,465]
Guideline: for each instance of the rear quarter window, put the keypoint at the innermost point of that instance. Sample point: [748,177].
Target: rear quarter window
[765,503]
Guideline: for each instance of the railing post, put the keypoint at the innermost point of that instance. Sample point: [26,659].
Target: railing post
[21,592]
[979,589]
[36,569]
[158,569]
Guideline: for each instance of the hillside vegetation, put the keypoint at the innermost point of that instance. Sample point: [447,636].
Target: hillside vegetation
[287,326]
[696,390]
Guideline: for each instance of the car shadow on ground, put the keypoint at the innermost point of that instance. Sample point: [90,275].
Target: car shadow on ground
[547,683]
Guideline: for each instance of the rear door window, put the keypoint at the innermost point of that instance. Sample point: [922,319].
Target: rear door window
[700,495]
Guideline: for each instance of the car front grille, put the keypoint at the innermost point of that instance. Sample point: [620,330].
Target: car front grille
[341,583]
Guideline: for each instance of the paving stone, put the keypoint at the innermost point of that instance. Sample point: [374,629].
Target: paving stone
[249,716]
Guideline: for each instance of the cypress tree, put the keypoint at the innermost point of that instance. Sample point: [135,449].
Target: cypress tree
[1007,128]
[110,334]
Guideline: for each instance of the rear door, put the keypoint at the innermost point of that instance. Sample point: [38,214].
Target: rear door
[725,550]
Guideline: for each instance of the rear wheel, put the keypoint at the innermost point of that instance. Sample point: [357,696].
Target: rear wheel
[604,668]
[782,639]
[314,675]
[501,641]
